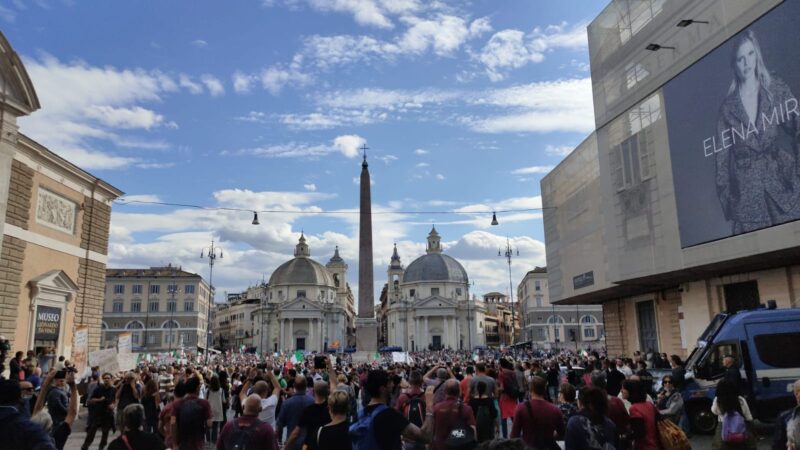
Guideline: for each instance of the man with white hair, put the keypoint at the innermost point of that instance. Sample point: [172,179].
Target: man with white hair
[787,427]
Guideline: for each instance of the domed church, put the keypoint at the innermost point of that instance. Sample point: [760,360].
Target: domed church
[429,306]
[308,306]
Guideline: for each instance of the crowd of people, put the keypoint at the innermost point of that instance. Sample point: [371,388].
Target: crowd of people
[434,399]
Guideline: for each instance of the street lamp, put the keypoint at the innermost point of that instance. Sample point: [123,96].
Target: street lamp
[211,254]
[172,289]
[509,252]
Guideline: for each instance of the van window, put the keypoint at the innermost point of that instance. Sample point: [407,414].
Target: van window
[717,354]
[772,349]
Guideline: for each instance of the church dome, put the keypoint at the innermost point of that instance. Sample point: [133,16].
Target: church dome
[435,266]
[301,269]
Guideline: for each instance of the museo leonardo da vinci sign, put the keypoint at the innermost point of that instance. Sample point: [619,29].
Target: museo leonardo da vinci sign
[734,132]
[48,323]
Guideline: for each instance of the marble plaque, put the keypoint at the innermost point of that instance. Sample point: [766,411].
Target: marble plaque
[55,211]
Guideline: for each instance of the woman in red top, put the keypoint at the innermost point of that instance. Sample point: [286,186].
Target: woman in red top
[643,416]
[508,404]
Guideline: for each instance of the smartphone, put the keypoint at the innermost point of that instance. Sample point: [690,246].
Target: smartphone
[319,362]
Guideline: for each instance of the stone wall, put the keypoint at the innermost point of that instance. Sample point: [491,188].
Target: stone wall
[96,222]
[11,259]
[89,307]
[19,195]
[614,321]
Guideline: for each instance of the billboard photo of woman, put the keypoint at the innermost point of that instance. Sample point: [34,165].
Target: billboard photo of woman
[756,144]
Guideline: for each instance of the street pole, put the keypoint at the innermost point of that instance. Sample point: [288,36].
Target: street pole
[173,289]
[211,253]
[508,254]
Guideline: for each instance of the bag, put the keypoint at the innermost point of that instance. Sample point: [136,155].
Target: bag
[484,422]
[414,410]
[510,386]
[734,428]
[461,437]
[671,436]
[239,439]
[362,432]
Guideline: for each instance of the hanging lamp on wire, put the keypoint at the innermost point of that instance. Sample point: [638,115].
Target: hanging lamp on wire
[255,218]
[494,219]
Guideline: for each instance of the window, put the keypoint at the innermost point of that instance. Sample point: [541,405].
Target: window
[135,338]
[188,289]
[588,333]
[152,339]
[412,293]
[772,348]
[537,285]
[458,292]
[172,288]
[136,289]
[717,354]
[539,300]
[155,289]
[136,307]
[434,291]
[117,307]
[171,306]
[301,294]
[119,288]
[153,306]
[188,306]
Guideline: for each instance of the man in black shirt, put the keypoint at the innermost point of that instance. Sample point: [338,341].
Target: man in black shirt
[389,425]
[132,436]
[101,411]
[312,417]
[614,378]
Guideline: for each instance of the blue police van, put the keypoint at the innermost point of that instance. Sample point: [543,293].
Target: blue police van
[765,344]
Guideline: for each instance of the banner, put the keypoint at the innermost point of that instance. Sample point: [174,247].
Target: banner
[127,361]
[124,343]
[106,360]
[80,350]
[400,357]
[48,323]
[733,120]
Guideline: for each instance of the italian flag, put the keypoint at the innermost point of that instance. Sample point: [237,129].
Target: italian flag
[475,356]
[297,357]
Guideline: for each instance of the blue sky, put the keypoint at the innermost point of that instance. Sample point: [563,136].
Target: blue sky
[262,104]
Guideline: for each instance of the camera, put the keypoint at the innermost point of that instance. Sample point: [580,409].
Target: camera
[319,362]
[261,366]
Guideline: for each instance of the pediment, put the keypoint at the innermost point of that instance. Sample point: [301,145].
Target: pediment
[15,82]
[54,281]
[301,304]
[436,301]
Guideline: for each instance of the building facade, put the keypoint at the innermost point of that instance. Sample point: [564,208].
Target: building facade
[501,320]
[53,233]
[546,325]
[429,305]
[234,321]
[163,308]
[683,202]
[306,306]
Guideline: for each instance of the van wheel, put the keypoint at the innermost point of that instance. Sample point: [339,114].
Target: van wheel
[703,421]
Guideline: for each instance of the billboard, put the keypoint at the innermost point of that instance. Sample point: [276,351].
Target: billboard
[48,323]
[734,132]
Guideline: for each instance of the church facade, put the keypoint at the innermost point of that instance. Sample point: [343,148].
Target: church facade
[428,304]
[305,306]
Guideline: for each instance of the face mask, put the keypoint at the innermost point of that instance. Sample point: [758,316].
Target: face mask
[27,396]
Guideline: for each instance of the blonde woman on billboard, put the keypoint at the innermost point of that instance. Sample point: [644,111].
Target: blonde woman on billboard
[758,131]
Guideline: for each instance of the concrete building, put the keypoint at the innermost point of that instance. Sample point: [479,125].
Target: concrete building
[546,325]
[429,304]
[500,322]
[53,232]
[234,321]
[164,308]
[305,305]
[683,202]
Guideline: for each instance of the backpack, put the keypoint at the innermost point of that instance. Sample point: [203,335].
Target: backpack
[362,432]
[734,428]
[461,436]
[239,439]
[484,423]
[510,386]
[670,435]
[414,410]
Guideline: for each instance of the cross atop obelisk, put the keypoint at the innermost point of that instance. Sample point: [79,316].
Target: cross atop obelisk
[366,326]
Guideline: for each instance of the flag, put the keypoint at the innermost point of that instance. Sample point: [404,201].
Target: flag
[297,357]
[475,356]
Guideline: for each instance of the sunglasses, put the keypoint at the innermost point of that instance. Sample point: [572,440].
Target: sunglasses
[28,389]
[667,382]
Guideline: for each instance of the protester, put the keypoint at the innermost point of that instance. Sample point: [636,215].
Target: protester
[590,428]
[58,431]
[411,404]
[133,437]
[735,419]
[643,416]
[787,427]
[732,373]
[678,371]
[216,398]
[101,412]
[151,401]
[537,421]
[566,401]
[670,401]
[335,435]
[127,394]
[509,394]
[18,431]
[57,397]
[191,417]
[449,414]
[485,413]
[312,418]
[291,410]
[247,431]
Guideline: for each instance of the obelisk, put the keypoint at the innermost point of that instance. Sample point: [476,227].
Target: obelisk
[366,325]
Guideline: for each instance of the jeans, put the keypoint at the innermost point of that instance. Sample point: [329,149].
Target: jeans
[211,433]
[97,422]
[553,392]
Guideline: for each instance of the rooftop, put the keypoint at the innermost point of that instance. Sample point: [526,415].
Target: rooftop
[168,271]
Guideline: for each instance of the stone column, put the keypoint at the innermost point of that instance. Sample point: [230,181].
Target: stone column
[291,335]
[446,337]
[426,331]
[282,336]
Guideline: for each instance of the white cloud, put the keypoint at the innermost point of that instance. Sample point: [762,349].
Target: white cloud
[275,78]
[333,118]
[423,164]
[185,81]
[532,170]
[155,165]
[199,43]
[420,152]
[131,117]
[8,14]
[349,144]
[213,85]
[242,82]
[371,13]
[439,176]
[558,150]
[511,49]
[542,107]
[390,100]
[310,187]
[253,116]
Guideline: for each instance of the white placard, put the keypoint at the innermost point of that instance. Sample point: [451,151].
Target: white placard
[106,360]
[124,343]
[127,361]
[400,357]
